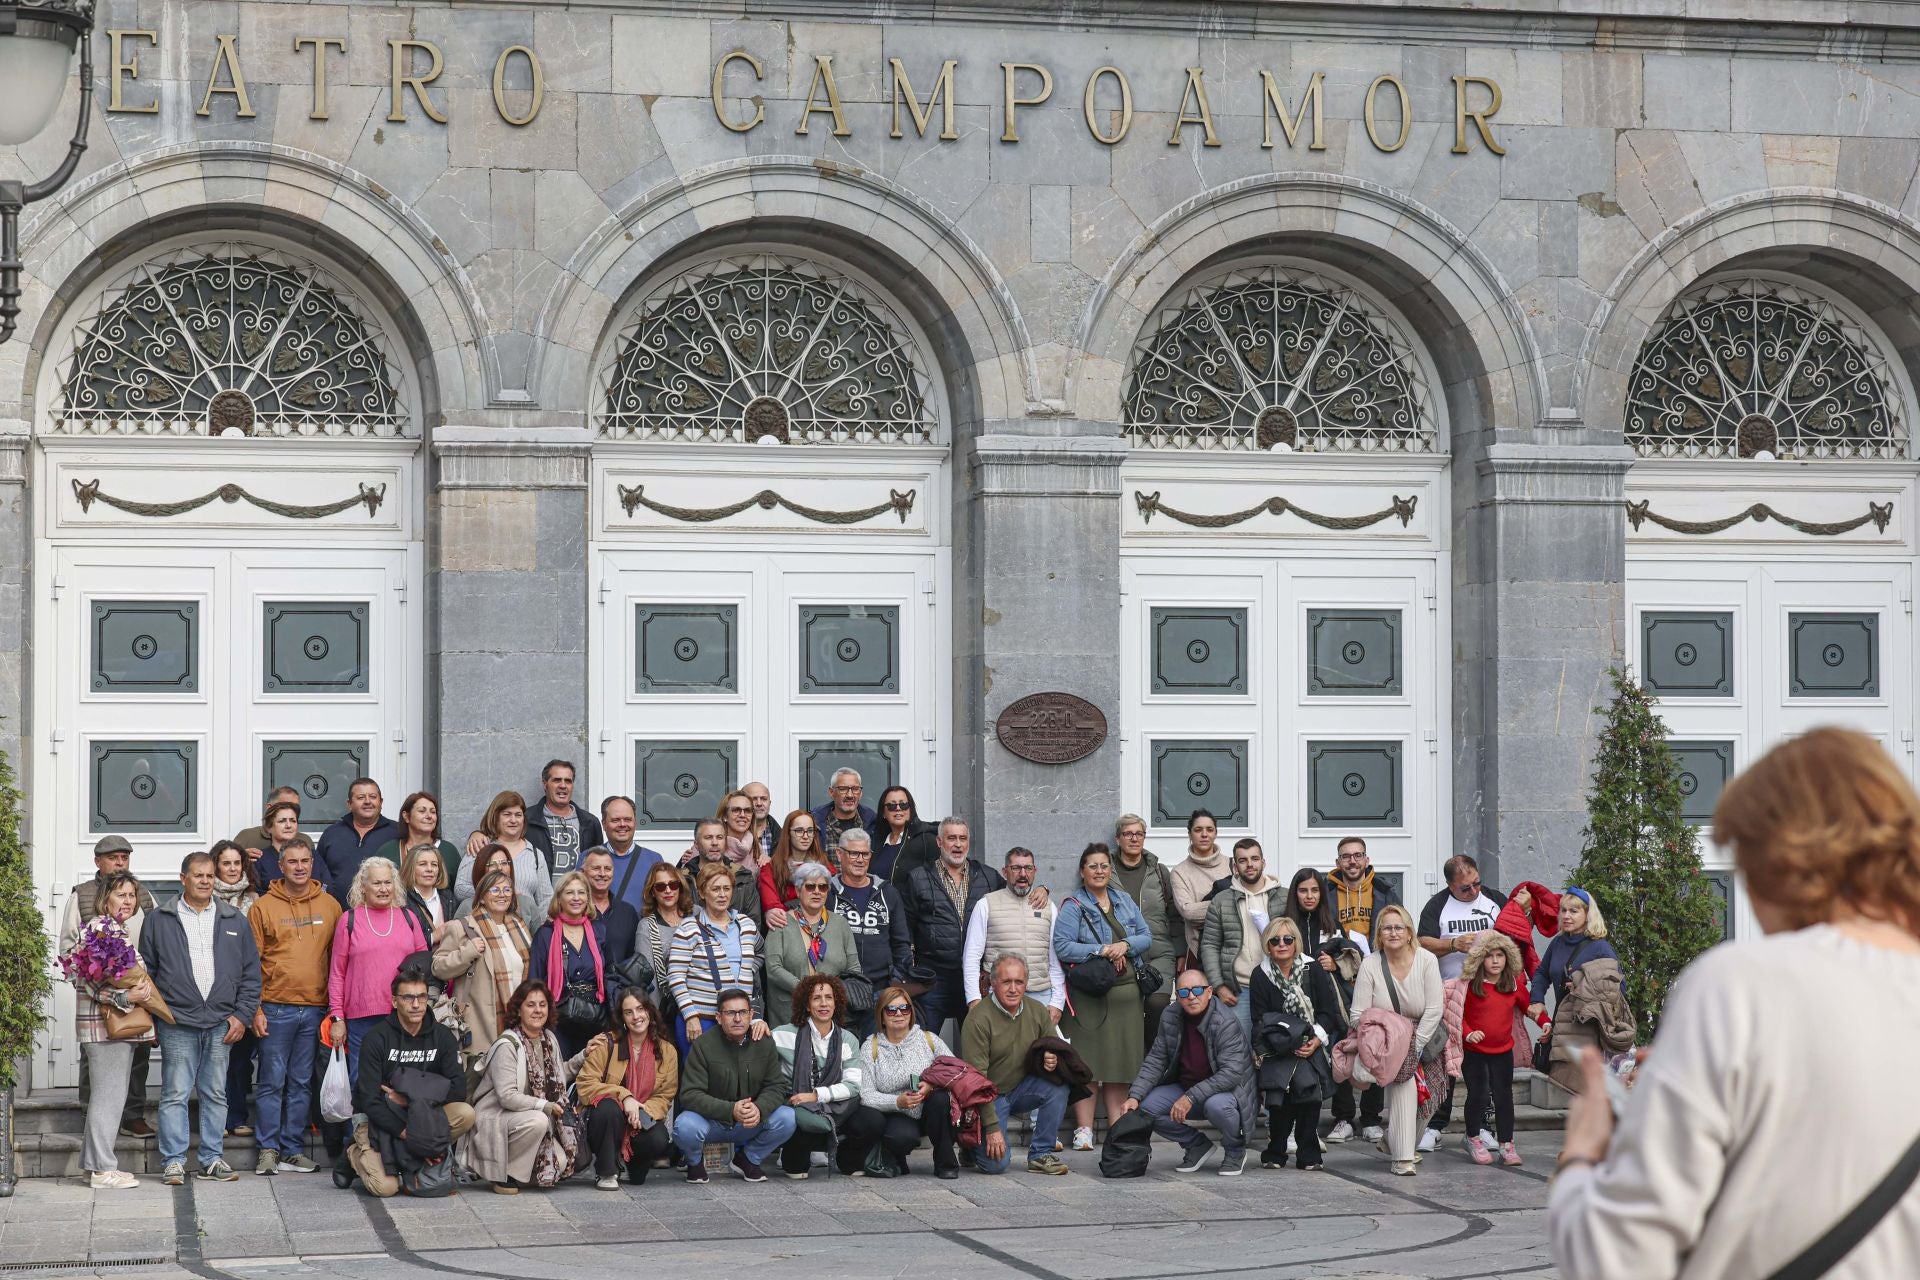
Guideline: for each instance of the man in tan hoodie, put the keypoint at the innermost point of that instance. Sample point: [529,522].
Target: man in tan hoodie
[1194,879]
[293,924]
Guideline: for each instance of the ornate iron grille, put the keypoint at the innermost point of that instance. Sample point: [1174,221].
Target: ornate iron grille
[750,347]
[1741,366]
[203,341]
[1275,355]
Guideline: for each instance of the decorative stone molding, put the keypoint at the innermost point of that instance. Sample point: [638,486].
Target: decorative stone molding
[1878,514]
[513,464]
[88,492]
[1020,466]
[1403,508]
[632,497]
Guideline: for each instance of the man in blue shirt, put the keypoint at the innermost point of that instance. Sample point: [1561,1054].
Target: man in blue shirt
[350,841]
[631,863]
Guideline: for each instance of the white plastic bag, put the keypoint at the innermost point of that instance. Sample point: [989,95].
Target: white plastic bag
[336,1089]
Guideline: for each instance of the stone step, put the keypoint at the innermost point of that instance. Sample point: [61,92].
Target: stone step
[57,1155]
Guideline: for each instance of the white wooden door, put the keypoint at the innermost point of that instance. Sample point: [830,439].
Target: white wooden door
[1744,654]
[179,684]
[718,667]
[1299,699]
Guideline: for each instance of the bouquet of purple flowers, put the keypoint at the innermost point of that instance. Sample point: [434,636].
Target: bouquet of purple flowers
[102,957]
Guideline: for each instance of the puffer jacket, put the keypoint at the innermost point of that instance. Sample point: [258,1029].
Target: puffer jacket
[1516,924]
[1456,1013]
[1594,1014]
[1224,933]
[968,1091]
[939,934]
[1375,1049]
[1228,1053]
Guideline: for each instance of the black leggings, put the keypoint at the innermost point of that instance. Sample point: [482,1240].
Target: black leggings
[606,1125]
[899,1133]
[1302,1120]
[1489,1077]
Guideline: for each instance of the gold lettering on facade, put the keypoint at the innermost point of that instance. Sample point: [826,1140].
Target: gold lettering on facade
[719,91]
[1125,120]
[500,85]
[1196,92]
[823,76]
[403,78]
[1461,115]
[130,68]
[1276,106]
[942,92]
[236,85]
[1011,100]
[319,109]
[1406,113]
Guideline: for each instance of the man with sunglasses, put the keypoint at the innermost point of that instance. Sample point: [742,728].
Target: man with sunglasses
[1199,1061]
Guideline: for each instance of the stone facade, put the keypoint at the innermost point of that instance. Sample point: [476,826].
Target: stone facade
[1638,149]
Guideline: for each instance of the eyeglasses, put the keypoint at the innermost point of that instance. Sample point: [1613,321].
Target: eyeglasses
[1393,928]
[1282,942]
[895,1010]
[801,831]
[419,998]
[731,1014]
[848,788]
[854,853]
[732,809]
[1189,993]
[896,806]
[814,886]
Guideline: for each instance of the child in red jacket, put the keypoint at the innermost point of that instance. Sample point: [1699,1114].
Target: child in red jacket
[1496,1002]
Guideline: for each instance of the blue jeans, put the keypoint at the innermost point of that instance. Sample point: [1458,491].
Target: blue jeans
[692,1131]
[357,1029]
[192,1062]
[1243,1012]
[284,1081]
[1031,1094]
[1222,1112]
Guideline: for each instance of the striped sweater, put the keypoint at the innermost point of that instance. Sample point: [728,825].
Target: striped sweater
[693,957]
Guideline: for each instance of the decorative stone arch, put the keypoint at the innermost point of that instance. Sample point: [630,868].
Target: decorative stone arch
[96,226]
[1866,253]
[1461,309]
[944,281]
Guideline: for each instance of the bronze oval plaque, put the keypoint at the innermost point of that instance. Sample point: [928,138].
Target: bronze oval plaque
[1052,728]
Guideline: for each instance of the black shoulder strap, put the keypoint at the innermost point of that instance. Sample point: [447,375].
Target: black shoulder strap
[1825,1253]
[633,863]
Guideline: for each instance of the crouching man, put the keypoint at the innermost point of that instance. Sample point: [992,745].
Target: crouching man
[410,1098]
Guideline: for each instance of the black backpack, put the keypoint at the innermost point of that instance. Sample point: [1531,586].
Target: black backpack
[1129,1146]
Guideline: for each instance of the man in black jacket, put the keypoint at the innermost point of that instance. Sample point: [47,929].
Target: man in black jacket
[202,959]
[558,828]
[940,898]
[407,1038]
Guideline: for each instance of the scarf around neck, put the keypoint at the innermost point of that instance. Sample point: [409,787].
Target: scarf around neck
[231,893]
[1292,993]
[556,953]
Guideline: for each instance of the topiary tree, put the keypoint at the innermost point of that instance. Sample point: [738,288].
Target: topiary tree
[24,984]
[1641,859]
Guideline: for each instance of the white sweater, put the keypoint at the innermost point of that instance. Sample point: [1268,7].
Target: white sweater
[1778,1093]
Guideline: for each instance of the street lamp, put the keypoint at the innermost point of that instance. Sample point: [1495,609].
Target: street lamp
[37,38]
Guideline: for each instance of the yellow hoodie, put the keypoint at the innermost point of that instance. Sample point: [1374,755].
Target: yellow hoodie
[295,939]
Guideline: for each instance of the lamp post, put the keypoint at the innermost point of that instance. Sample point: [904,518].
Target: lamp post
[37,39]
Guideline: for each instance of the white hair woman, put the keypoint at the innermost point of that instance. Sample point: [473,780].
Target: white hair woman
[813,940]
[374,936]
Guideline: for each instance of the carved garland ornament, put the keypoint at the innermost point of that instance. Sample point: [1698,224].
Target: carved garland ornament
[635,496]
[1278,355]
[88,492]
[1150,505]
[1878,515]
[1741,367]
[232,337]
[763,346]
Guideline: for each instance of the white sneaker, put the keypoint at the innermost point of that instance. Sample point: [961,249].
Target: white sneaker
[1293,1145]
[1429,1141]
[607,1184]
[1373,1133]
[1341,1132]
[1487,1137]
[1083,1138]
[113,1180]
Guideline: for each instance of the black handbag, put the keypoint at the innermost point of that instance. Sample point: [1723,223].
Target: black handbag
[1148,977]
[581,1009]
[1094,976]
[1824,1254]
[859,992]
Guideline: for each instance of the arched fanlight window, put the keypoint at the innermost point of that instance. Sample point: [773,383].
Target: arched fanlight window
[212,340]
[1275,354]
[1750,365]
[746,347]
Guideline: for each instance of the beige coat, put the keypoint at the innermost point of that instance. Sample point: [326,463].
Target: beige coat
[464,959]
[505,1135]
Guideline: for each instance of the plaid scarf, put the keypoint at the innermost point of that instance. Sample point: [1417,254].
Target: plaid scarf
[1293,992]
[499,941]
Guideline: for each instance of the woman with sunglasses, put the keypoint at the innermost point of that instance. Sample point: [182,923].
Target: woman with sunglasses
[799,842]
[901,841]
[1289,981]
[896,1107]
[665,901]
[814,939]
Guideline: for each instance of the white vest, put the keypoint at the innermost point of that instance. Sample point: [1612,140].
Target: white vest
[1014,928]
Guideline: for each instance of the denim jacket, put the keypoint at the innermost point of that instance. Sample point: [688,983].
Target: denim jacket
[1080,929]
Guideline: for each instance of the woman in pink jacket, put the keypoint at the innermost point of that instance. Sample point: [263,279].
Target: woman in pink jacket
[372,939]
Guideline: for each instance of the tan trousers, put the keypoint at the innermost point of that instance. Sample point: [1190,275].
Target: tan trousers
[366,1161]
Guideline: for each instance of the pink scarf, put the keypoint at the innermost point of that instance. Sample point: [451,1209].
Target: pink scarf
[557,960]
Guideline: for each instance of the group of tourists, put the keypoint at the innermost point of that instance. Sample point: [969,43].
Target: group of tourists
[839,986]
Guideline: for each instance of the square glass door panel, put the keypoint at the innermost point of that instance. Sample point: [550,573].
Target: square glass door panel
[318,647]
[145,646]
[677,783]
[1353,652]
[686,648]
[1687,655]
[849,649]
[1833,655]
[877,761]
[1191,774]
[320,771]
[143,786]
[1199,650]
[1353,784]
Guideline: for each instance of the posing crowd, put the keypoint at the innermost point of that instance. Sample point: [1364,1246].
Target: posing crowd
[553,996]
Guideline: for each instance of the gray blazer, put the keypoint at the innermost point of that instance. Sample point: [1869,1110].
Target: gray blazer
[1226,1049]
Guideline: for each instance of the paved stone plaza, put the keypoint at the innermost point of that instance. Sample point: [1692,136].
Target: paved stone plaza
[1454,1220]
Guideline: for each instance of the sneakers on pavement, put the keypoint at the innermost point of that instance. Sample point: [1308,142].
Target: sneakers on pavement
[610,1183]
[174,1175]
[1233,1164]
[1373,1133]
[113,1180]
[750,1171]
[1048,1164]
[696,1173]
[267,1165]
[1083,1138]
[1478,1150]
[1195,1156]
[1403,1169]
[1429,1141]
[1509,1155]
[297,1164]
[218,1171]
[1341,1132]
